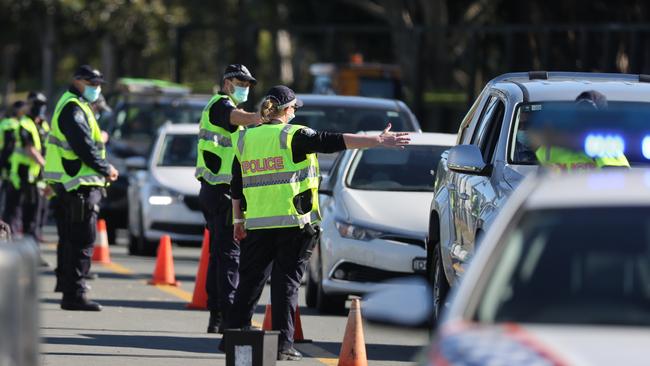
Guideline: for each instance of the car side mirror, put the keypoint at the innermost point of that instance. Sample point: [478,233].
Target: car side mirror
[136,163]
[326,186]
[466,159]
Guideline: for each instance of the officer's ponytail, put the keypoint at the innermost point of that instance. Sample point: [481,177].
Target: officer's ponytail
[269,109]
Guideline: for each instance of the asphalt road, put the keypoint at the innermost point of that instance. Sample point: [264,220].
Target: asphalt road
[141,324]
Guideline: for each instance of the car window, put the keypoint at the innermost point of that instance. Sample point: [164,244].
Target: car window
[351,119]
[465,131]
[178,150]
[486,114]
[576,266]
[406,169]
[488,140]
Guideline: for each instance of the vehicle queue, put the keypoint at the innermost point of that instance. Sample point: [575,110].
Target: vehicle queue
[502,130]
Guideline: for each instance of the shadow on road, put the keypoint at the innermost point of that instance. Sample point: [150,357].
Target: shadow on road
[374,352]
[182,344]
[136,304]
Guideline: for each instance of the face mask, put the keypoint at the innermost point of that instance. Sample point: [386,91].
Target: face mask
[291,116]
[91,93]
[240,95]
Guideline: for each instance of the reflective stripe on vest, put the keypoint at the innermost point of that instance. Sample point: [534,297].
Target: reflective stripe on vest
[284,135]
[65,146]
[95,180]
[240,141]
[282,221]
[279,178]
[211,178]
[215,137]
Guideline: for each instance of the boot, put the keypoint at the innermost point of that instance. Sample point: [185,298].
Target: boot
[214,321]
[78,303]
[290,354]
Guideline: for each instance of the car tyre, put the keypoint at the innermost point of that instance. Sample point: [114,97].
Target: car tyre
[440,285]
[139,245]
[328,304]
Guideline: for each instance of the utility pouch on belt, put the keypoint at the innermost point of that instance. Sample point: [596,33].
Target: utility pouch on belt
[311,235]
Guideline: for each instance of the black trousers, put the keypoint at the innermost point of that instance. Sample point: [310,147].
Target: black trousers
[223,266]
[77,225]
[280,253]
[28,200]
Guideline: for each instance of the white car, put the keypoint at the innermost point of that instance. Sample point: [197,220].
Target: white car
[375,218]
[562,277]
[163,194]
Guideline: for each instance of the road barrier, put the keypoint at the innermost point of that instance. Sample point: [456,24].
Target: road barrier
[19,336]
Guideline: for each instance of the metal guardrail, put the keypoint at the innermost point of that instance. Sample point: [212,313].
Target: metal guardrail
[19,332]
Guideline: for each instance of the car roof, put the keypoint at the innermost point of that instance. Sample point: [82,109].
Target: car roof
[180,128]
[348,101]
[613,188]
[426,138]
[566,86]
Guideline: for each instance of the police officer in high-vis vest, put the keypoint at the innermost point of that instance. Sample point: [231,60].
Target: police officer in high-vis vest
[26,162]
[37,105]
[77,170]
[214,164]
[278,178]
[8,127]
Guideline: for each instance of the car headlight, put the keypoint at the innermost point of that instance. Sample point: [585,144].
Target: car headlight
[356,232]
[160,196]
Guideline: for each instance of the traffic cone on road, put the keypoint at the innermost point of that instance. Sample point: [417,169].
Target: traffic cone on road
[298,336]
[101,253]
[353,349]
[163,274]
[200,295]
[267,324]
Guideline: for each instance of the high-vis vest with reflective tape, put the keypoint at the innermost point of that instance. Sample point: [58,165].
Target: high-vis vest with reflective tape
[20,156]
[215,140]
[271,179]
[57,149]
[567,160]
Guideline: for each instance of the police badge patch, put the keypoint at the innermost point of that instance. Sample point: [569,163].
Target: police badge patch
[79,116]
[308,132]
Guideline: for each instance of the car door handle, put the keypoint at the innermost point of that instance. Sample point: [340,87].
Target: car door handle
[451,187]
[463,196]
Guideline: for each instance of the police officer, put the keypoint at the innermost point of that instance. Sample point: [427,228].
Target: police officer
[37,104]
[26,162]
[8,127]
[77,170]
[560,158]
[278,176]
[214,163]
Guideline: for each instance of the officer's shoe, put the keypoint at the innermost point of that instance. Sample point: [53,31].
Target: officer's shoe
[290,354]
[214,322]
[79,303]
[90,276]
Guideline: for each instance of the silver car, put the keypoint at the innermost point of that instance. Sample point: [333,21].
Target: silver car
[475,178]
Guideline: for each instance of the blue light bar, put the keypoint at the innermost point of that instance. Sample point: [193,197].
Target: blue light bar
[607,146]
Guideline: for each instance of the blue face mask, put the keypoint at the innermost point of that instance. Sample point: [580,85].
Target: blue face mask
[91,93]
[240,95]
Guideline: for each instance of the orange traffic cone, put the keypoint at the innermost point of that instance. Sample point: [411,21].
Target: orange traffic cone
[200,295]
[101,252]
[353,349]
[163,274]
[298,336]
[267,324]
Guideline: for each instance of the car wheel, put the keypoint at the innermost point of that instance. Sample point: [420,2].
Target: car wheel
[329,304]
[440,285]
[311,289]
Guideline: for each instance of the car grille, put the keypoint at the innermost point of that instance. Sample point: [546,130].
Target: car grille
[411,241]
[358,273]
[192,202]
[185,229]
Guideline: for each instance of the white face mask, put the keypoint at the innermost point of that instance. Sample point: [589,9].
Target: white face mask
[291,116]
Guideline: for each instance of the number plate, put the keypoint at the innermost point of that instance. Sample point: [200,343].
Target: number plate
[419,265]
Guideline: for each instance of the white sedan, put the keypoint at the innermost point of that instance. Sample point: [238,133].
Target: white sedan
[375,218]
[563,277]
[163,194]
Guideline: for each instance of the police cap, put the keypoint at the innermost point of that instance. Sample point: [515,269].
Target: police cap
[86,72]
[240,72]
[285,96]
[36,97]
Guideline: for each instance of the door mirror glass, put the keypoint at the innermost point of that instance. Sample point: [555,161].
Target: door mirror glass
[466,159]
[136,163]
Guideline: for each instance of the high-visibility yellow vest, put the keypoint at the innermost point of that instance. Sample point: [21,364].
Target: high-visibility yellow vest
[10,124]
[567,160]
[271,179]
[20,156]
[215,140]
[57,150]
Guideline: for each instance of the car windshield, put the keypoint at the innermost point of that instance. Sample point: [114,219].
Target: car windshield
[381,169]
[573,266]
[138,123]
[178,150]
[351,119]
[618,128]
